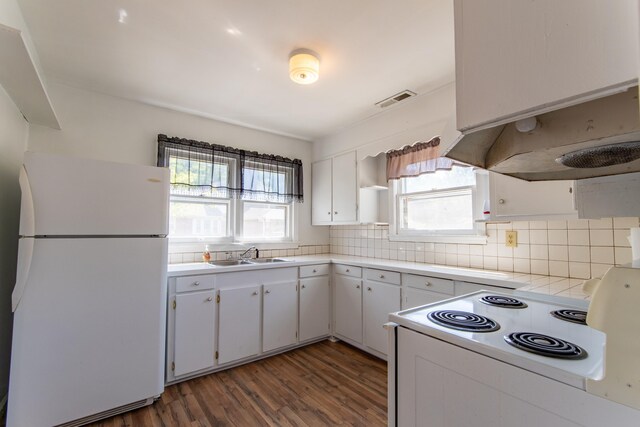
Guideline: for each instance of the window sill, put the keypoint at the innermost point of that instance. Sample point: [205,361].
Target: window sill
[201,245]
[473,239]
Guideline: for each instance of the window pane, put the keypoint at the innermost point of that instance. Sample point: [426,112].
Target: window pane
[198,175]
[450,210]
[197,218]
[267,179]
[458,176]
[264,221]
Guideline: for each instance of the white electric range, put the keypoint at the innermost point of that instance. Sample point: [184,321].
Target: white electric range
[498,360]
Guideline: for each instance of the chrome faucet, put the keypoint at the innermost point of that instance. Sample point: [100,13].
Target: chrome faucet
[243,255]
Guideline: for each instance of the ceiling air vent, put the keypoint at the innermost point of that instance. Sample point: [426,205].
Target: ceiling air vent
[395,98]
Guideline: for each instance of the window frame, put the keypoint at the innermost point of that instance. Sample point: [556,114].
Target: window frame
[289,228]
[476,235]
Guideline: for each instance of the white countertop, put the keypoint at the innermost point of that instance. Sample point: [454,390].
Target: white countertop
[549,285]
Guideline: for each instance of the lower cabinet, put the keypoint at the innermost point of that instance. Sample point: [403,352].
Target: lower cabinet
[279,315]
[379,299]
[315,306]
[348,307]
[415,297]
[462,288]
[195,320]
[239,328]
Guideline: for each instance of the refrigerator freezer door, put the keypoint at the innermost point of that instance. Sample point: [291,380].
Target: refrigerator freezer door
[89,330]
[73,196]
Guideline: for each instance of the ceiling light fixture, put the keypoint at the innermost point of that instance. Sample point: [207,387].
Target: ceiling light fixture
[122,16]
[304,66]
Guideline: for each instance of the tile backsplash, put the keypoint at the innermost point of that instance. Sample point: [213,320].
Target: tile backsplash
[576,248]
[180,257]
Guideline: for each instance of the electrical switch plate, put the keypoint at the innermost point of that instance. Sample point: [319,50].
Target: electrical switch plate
[511,239]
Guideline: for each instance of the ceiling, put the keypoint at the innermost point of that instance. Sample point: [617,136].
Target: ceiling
[228,59]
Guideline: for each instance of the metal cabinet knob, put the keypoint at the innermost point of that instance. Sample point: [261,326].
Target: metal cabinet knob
[382,276]
[329,213]
[347,270]
[315,271]
[369,289]
[196,283]
[210,299]
[303,286]
[267,291]
[501,201]
[357,286]
[427,284]
[254,293]
[335,213]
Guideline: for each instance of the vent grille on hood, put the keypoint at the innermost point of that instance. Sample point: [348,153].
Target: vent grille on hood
[595,138]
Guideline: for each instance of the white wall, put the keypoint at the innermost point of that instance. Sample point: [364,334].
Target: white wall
[109,128]
[13,140]
[418,119]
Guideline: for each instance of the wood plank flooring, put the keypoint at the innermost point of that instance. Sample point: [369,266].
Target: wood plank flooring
[321,384]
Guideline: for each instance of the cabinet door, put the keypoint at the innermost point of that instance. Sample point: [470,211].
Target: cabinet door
[280,315]
[558,51]
[463,288]
[194,332]
[239,329]
[348,307]
[379,300]
[416,297]
[511,197]
[345,198]
[321,192]
[314,307]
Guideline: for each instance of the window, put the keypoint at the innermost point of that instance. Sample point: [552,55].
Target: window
[221,194]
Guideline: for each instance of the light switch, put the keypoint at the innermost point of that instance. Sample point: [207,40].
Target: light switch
[511,239]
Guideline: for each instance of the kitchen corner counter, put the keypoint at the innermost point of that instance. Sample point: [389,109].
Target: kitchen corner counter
[547,285]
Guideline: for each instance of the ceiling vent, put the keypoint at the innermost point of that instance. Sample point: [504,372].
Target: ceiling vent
[395,98]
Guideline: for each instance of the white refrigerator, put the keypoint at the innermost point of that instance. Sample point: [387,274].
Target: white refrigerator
[90,296]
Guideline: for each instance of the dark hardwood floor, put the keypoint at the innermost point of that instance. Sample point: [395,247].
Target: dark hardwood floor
[321,384]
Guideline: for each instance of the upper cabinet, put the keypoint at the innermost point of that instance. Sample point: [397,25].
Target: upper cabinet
[336,197]
[517,58]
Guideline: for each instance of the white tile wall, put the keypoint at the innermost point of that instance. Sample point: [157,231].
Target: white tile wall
[182,257]
[578,249]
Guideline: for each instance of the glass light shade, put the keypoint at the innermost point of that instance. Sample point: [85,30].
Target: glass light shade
[304,68]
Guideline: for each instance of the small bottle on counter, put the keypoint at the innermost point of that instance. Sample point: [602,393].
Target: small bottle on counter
[206,256]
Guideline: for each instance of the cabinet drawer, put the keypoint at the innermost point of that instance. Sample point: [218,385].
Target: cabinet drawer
[195,283]
[348,270]
[314,270]
[432,284]
[383,276]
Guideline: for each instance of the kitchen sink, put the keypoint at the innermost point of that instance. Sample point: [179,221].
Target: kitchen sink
[268,260]
[229,262]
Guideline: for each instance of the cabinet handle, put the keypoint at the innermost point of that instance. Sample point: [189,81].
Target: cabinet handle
[335,213]
[267,291]
[329,213]
[501,201]
[303,286]
[427,284]
[315,271]
[210,299]
[254,293]
[357,286]
[347,270]
[196,283]
[369,289]
[382,276]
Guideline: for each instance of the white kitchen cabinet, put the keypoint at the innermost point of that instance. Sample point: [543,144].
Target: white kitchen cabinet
[239,323]
[334,196]
[415,297]
[195,325]
[379,299]
[279,315]
[517,58]
[462,288]
[315,306]
[515,199]
[348,307]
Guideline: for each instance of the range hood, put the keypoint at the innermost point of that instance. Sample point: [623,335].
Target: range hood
[596,138]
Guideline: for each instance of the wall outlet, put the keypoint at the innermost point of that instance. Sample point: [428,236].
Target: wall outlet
[511,239]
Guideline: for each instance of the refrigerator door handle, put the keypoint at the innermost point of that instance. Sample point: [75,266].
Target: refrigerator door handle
[27,212]
[25,255]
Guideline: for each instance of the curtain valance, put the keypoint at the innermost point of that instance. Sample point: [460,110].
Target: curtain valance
[417,159]
[211,170]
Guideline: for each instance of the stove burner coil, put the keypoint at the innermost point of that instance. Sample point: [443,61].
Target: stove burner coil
[575,316]
[503,301]
[463,321]
[544,345]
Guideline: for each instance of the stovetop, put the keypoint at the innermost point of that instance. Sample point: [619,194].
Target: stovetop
[523,325]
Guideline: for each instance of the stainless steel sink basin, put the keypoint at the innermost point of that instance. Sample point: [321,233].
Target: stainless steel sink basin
[229,262]
[268,260]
